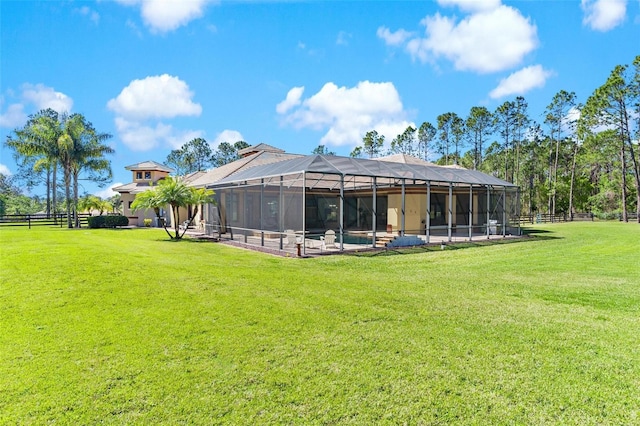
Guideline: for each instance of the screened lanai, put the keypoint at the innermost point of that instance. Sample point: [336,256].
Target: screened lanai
[323,203]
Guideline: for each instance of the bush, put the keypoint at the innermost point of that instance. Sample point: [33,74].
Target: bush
[116,220]
[147,223]
[110,221]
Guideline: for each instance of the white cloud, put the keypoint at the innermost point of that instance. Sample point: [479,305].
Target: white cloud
[32,98]
[108,192]
[14,116]
[5,170]
[140,106]
[393,39]
[343,38]
[162,16]
[90,13]
[230,136]
[292,100]
[603,15]
[162,96]
[491,39]
[44,97]
[348,113]
[472,5]
[522,81]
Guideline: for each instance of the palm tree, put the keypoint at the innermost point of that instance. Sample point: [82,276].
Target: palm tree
[38,141]
[82,149]
[175,193]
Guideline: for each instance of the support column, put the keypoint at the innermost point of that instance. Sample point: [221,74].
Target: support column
[280,213]
[402,218]
[450,221]
[504,212]
[470,212]
[304,213]
[488,209]
[262,212]
[428,218]
[341,212]
[375,212]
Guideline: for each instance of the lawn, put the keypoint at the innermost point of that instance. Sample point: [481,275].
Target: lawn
[124,326]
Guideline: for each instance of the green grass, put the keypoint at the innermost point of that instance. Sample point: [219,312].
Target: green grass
[124,326]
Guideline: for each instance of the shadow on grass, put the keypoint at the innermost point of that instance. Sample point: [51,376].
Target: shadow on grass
[533,231]
[452,246]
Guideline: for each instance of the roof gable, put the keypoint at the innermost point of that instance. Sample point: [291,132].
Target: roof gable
[150,165]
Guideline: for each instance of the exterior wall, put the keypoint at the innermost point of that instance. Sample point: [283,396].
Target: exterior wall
[148,175]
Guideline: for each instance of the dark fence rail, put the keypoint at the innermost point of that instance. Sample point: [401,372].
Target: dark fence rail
[30,220]
[550,218]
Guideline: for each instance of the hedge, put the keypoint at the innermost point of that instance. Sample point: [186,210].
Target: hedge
[110,221]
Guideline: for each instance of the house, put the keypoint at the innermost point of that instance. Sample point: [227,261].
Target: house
[270,198]
[363,201]
[145,175]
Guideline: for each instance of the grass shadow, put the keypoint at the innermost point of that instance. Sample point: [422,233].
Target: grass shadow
[451,246]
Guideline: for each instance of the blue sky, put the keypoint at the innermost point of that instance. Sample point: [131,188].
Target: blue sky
[295,74]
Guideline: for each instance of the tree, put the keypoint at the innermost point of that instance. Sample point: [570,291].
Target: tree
[479,126]
[521,124]
[357,152]
[404,142]
[90,202]
[37,151]
[448,130]
[611,106]
[557,119]
[175,193]
[504,120]
[193,156]
[81,148]
[372,144]
[228,153]
[13,201]
[426,135]
[322,150]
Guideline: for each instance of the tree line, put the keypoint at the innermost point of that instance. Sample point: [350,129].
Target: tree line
[197,155]
[51,143]
[580,157]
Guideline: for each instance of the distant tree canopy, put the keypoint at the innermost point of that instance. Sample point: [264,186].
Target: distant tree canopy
[587,160]
[197,155]
[322,150]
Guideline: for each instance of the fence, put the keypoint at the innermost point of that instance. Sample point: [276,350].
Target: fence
[550,218]
[42,219]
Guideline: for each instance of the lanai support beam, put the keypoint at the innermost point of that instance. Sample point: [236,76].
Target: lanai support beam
[428,218]
[341,212]
[375,211]
[304,213]
[470,212]
[262,212]
[488,210]
[402,219]
[504,211]
[450,218]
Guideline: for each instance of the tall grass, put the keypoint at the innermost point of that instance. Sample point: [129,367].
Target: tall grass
[124,326]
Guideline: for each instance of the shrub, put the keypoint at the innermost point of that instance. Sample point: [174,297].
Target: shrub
[147,223]
[116,220]
[96,221]
[110,221]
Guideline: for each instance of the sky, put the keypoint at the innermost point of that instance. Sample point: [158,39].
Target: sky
[294,74]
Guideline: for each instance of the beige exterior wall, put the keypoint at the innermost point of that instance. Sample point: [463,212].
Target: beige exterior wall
[415,209]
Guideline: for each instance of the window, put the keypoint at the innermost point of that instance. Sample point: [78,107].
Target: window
[138,175]
[147,175]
